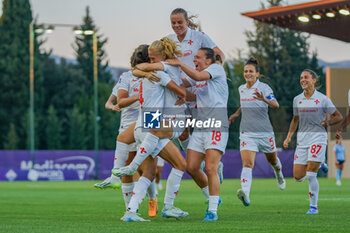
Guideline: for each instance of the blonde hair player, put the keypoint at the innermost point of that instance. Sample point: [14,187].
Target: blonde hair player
[153,96]
[310,109]
[126,92]
[256,132]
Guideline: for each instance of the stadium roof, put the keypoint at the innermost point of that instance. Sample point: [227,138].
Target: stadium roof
[313,17]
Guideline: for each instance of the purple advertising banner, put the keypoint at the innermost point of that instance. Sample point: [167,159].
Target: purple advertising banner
[81,165]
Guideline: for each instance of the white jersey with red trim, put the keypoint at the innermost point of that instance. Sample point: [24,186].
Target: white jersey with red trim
[193,41]
[255,120]
[170,97]
[130,84]
[152,95]
[212,95]
[311,112]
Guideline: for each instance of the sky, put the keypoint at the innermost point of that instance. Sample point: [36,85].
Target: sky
[129,23]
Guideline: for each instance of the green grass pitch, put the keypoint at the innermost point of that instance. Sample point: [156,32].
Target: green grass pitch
[78,207]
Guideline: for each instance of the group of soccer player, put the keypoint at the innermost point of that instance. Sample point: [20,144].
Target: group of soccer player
[182,75]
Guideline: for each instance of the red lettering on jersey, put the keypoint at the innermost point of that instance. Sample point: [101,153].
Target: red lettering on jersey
[136,89]
[295,157]
[300,102]
[190,42]
[187,53]
[176,192]
[317,101]
[243,144]
[134,80]
[314,156]
[141,100]
[244,180]
[115,158]
[241,91]
[256,90]
[132,194]
[200,85]
[311,195]
[143,150]
[213,143]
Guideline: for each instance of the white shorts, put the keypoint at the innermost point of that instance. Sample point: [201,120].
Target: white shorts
[203,140]
[139,136]
[160,162]
[133,146]
[264,144]
[314,153]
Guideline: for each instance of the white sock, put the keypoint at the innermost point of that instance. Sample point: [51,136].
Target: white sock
[213,204]
[121,154]
[114,179]
[148,145]
[152,190]
[127,191]
[138,193]
[172,186]
[246,180]
[159,185]
[301,179]
[183,143]
[277,167]
[205,191]
[313,188]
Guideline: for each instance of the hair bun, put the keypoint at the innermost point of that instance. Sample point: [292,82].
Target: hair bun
[252,60]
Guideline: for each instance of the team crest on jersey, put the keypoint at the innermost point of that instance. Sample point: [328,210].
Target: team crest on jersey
[151,119]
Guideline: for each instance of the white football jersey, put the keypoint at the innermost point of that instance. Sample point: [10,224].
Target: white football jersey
[212,95]
[130,84]
[255,120]
[193,41]
[170,97]
[152,95]
[311,112]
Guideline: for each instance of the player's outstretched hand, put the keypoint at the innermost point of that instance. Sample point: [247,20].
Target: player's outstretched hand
[180,101]
[338,134]
[116,108]
[285,143]
[259,96]
[152,77]
[324,123]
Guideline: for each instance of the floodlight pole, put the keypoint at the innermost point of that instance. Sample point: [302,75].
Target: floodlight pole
[31,92]
[96,117]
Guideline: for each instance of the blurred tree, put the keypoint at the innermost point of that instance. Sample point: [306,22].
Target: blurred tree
[12,139]
[53,130]
[109,120]
[14,66]
[234,70]
[14,63]
[77,129]
[83,48]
